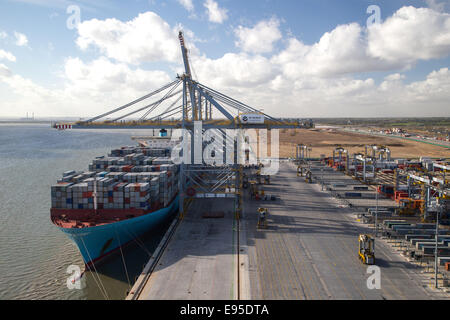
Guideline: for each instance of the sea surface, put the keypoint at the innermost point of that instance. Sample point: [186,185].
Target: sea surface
[35,256]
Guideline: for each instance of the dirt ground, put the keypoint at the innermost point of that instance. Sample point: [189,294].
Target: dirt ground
[324,141]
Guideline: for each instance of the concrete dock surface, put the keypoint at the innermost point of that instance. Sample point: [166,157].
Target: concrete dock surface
[308,251]
[199,261]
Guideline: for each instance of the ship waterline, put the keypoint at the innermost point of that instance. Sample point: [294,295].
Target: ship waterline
[98,242]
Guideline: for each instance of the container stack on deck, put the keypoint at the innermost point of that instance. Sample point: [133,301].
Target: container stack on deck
[128,178]
[82,195]
[62,195]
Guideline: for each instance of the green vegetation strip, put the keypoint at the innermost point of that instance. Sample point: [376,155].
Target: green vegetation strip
[405,138]
[412,139]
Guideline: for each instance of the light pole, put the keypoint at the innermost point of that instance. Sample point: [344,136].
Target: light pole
[322,177]
[436,264]
[376,213]
[308,156]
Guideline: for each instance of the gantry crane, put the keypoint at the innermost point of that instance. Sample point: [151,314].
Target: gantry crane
[196,103]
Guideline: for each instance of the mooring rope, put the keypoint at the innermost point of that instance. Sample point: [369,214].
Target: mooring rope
[101,286]
[123,259]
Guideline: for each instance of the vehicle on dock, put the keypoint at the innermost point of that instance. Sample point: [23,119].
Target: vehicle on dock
[308,177]
[262,217]
[366,249]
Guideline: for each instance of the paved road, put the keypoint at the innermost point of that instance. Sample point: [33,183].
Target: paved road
[309,250]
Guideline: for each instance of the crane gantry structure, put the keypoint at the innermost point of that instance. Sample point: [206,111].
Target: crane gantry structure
[193,101]
[186,102]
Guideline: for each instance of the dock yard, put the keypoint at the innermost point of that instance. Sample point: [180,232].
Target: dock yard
[308,250]
[199,262]
[256,216]
[225,158]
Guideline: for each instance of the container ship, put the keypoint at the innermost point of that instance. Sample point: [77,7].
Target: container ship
[123,195]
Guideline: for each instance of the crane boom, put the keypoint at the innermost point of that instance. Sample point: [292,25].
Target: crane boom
[184,53]
[198,103]
[187,67]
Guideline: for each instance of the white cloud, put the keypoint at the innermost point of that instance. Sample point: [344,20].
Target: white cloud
[411,34]
[7,55]
[435,5]
[187,4]
[4,71]
[215,13]
[235,70]
[436,87]
[320,79]
[395,77]
[21,39]
[3,35]
[98,86]
[392,82]
[146,38]
[27,95]
[102,76]
[264,83]
[87,89]
[340,51]
[260,38]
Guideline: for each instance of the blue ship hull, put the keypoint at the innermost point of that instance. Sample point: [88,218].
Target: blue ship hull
[96,243]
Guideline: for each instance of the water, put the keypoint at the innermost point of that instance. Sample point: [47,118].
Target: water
[34,254]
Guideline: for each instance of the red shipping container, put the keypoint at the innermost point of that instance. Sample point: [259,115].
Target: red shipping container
[127,200]
[87,194]
[127,168]
[110,199]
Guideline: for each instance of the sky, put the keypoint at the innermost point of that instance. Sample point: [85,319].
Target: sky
[290,58]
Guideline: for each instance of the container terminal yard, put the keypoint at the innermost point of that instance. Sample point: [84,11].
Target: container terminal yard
[308,250]
[249,225]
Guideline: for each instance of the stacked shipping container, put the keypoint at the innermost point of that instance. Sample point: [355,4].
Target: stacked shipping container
[129,178]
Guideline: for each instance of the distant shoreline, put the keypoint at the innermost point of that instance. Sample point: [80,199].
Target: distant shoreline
[26,121]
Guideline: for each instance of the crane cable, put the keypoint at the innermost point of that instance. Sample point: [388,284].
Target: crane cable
[166,96]
[133,102]
[147,106]
[168,109]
